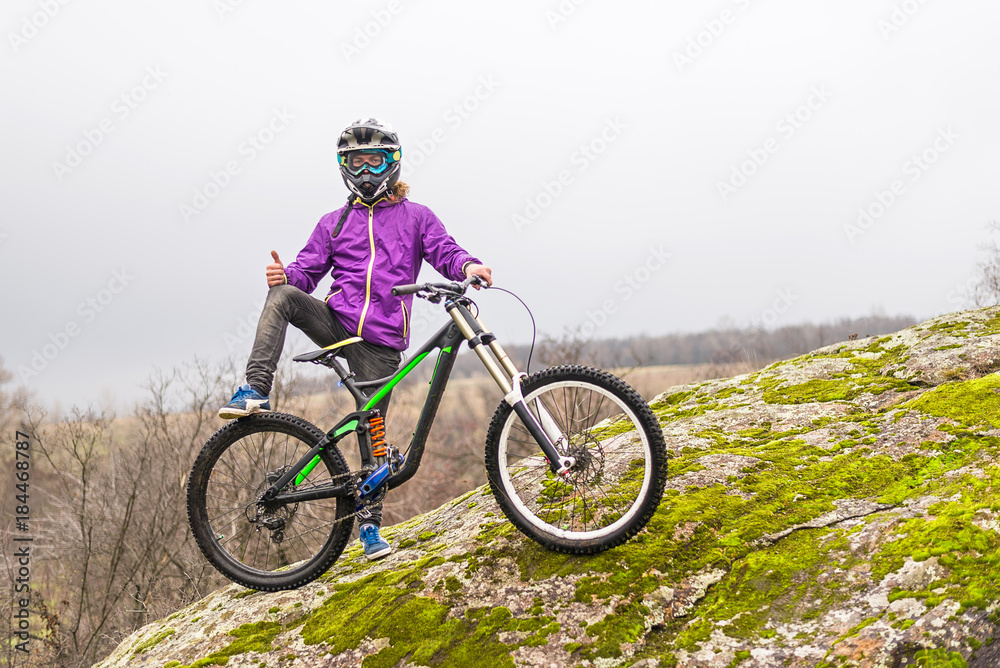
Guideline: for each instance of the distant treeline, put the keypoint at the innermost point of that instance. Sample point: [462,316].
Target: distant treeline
[716,346]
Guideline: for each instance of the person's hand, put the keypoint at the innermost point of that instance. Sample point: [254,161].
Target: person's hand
[276,271]
[482,271]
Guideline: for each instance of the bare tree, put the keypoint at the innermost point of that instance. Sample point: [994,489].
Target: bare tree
[570,348]
[987,290]
[112,550]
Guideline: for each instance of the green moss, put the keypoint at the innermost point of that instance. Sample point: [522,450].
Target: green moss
[817,389]
[541,637]
[939,658]
[407,542]
[625,625]
[991,327]
[674,399]
[612,427]
[697,631]
[249,638]
[868,371]
[273,610]
[462,498]
[670,408]
[419,628]
[490,531]
[152,641]
[452,583]
[739,657]
[778,584]
[243,594]
[970,555]
[426,535]
[970,402]
[951,328]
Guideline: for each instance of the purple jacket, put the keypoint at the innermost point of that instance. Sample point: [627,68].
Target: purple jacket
[378,248]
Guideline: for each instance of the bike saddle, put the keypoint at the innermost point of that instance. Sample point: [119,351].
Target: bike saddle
[332,350]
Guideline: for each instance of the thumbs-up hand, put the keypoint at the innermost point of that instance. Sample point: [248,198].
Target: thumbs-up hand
[276,271]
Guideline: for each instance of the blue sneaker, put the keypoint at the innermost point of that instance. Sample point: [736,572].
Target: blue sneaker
[247,400]
[375,547]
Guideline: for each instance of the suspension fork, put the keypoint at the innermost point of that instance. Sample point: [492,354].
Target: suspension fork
[543,428]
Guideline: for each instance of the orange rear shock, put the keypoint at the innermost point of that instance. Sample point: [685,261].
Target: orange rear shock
[376,425]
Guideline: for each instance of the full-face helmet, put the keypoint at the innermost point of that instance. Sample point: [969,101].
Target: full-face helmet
[368,153]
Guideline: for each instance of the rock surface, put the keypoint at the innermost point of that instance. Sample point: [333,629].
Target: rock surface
[837,509]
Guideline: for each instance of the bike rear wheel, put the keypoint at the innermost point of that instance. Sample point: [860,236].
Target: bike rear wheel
[268,549]
[615,485]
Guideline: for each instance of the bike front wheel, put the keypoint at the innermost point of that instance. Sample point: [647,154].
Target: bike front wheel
[261,547]
[620,469]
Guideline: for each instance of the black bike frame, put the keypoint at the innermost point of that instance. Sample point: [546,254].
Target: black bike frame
[446,340]
[464,327]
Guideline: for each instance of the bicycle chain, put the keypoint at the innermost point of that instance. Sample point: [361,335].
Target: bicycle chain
[360,472]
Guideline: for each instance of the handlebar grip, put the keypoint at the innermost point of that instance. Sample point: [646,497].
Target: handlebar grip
[406,289]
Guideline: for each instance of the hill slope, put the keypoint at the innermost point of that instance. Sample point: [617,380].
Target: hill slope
[839,508]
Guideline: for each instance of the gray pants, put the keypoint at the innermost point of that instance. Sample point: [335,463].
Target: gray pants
[287,304]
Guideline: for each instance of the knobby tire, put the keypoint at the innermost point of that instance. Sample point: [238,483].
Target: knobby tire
[617,483]
[229,475]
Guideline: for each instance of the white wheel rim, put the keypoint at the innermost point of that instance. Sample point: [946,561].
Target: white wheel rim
[528,514]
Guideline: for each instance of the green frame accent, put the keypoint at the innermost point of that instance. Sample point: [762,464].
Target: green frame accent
[304,473]
[387,388]
[384,390]
[445,341]
[437,363]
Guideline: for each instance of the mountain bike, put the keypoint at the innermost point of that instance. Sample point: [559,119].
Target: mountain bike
[575,459]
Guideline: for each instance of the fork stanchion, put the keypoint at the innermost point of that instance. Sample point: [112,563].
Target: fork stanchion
[498,351]
[455,311]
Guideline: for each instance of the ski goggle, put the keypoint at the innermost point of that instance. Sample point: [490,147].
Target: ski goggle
[375,160]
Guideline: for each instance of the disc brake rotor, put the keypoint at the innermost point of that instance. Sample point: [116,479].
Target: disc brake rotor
[263,515]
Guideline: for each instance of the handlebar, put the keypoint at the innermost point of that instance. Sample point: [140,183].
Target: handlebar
[408,289]
[430,289]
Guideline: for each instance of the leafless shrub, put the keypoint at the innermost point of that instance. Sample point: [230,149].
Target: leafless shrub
[569,348]
[112,550]
[987,290]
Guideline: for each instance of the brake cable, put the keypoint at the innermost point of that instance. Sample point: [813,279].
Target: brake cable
[534,329]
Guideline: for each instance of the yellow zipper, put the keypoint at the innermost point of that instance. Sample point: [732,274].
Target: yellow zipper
[371,263]
[406,318]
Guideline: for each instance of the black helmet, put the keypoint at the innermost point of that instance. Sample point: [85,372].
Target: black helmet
[368,153]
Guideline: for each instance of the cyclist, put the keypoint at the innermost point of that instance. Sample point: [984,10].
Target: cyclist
[378,240]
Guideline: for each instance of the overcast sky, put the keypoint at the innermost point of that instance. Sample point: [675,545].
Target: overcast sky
[628,167]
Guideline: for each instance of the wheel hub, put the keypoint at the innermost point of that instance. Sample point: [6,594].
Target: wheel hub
[264,514]
[587,467]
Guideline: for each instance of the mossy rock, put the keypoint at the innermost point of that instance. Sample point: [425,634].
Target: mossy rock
[839,508]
